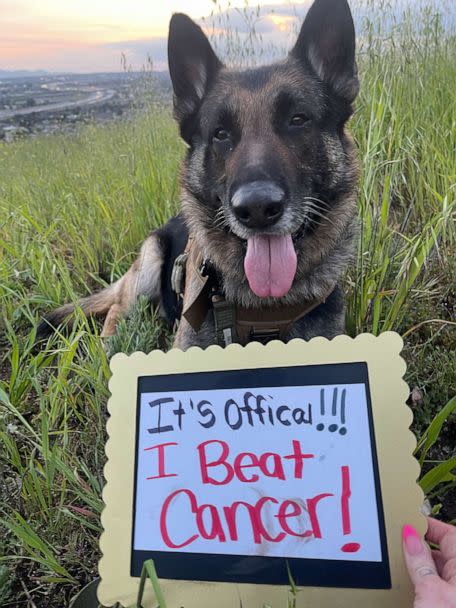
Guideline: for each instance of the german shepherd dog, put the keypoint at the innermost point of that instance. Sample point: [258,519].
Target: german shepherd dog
[268,188]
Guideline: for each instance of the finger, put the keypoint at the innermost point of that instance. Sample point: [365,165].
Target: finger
[443,535]
[418,558]
[437,530]
[449,572]
[439,561]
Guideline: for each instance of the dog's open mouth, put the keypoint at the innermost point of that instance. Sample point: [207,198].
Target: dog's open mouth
[270,261]
[270,265]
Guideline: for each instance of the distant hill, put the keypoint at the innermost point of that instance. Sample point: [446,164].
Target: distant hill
[17,74]
[22,73]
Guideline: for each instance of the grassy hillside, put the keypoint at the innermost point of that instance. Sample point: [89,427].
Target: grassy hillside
[73,212]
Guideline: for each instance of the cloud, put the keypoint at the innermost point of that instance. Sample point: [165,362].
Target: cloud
[272,24]
[265,19]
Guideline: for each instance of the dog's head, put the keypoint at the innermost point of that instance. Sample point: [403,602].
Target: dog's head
[268,155]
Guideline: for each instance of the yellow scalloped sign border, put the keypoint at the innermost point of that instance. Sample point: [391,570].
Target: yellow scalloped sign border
[395,444]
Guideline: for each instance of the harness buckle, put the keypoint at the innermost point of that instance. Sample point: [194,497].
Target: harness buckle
[264,335]
[178,274]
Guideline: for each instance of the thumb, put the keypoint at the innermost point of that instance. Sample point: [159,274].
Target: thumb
[418,558]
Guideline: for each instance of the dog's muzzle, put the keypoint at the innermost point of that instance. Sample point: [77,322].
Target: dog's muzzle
[259,204]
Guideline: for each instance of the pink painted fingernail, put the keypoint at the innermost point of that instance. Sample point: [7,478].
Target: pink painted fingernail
[412,541]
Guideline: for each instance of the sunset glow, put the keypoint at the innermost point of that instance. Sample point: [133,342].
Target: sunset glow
[90,35]
[282,22]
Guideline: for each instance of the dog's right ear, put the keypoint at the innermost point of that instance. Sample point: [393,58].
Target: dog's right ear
[192,66]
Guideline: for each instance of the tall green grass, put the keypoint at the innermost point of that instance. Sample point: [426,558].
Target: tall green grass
[405,129]
[73,212]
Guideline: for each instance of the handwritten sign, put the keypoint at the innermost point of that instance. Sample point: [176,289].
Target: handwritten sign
[243,476]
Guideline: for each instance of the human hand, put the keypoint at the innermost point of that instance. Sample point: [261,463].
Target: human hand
[433,573]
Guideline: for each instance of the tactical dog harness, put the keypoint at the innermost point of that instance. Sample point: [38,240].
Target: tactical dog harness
[232,323]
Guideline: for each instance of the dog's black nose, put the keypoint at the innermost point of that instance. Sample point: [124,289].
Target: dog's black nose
[258,204]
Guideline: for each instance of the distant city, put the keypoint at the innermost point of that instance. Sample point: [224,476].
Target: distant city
[38,102]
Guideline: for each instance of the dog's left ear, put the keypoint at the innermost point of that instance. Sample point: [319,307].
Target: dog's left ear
[326,43]
[193,65]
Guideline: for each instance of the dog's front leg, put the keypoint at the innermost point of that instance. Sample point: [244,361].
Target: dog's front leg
[115,313]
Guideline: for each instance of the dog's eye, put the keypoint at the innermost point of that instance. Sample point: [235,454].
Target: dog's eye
[298,120]
[221,135]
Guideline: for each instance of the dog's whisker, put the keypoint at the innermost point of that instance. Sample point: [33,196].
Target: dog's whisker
[310,216]
[220,220]
[315,205]
[324,220]
[315,208]
[316,211]
[315,222]
[317,200]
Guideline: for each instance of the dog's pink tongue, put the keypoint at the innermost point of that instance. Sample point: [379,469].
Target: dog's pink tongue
[270,265]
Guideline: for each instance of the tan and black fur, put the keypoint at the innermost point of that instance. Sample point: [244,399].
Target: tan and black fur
[280,126]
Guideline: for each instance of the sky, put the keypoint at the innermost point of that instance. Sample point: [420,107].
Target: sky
[91,35]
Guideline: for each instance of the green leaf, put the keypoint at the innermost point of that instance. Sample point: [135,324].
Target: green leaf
[148,571]
[441,473]
[432,433]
